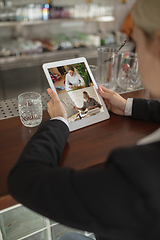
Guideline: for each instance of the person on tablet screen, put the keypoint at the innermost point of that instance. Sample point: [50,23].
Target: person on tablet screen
[73,79]
[121,199]
[89,103]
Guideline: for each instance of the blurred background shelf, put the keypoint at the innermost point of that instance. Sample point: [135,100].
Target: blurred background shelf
[26,45]
[52,21]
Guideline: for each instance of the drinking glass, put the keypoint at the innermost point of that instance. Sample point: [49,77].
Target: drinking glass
[128,75]
[107,63]
[30,108]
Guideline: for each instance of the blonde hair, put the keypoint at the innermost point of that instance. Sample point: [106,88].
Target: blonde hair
[146,16]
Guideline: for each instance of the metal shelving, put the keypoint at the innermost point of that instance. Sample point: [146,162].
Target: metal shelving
[55,20]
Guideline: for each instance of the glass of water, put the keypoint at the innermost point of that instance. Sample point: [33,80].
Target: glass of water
[107,63]
[30,108]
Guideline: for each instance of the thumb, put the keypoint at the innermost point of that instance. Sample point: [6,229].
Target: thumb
[104,92]
[53,95]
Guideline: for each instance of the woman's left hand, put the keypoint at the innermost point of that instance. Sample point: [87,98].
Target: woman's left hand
[55,107]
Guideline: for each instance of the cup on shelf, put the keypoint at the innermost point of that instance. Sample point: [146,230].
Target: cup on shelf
[30,108]
[107,63]
[128,75]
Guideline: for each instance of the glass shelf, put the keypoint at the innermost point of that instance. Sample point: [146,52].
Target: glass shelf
[20,221]
[8,24]
[38,236]
[58,230]
[55,20]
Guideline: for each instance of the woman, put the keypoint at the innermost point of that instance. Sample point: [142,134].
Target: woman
[73,79]
[122,200]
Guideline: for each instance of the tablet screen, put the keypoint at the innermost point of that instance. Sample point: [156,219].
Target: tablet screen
[76,91]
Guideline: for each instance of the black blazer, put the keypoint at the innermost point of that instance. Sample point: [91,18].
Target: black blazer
[120,201]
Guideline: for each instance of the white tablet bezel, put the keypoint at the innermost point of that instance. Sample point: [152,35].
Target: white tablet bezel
[85,121]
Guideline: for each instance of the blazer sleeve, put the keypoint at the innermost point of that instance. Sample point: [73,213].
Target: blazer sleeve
[110,201]
[148,110]
[38,160]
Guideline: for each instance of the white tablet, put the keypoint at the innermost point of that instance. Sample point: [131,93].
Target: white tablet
[76,87]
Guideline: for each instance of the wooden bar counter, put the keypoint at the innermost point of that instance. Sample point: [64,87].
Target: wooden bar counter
[85,148]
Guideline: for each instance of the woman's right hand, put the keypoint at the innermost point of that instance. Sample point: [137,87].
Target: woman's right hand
[114,102]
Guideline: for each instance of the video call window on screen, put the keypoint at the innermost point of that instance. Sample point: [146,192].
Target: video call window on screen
[76,91]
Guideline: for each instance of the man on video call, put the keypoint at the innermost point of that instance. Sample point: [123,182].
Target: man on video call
[73,79]
[89,103]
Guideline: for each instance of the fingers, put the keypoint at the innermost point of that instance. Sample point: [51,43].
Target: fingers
[53,95]
[104,92]
[48,111]
[50,105]
[108,104]
[103,89]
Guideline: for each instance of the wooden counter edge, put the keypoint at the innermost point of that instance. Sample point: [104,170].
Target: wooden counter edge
[7,201]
